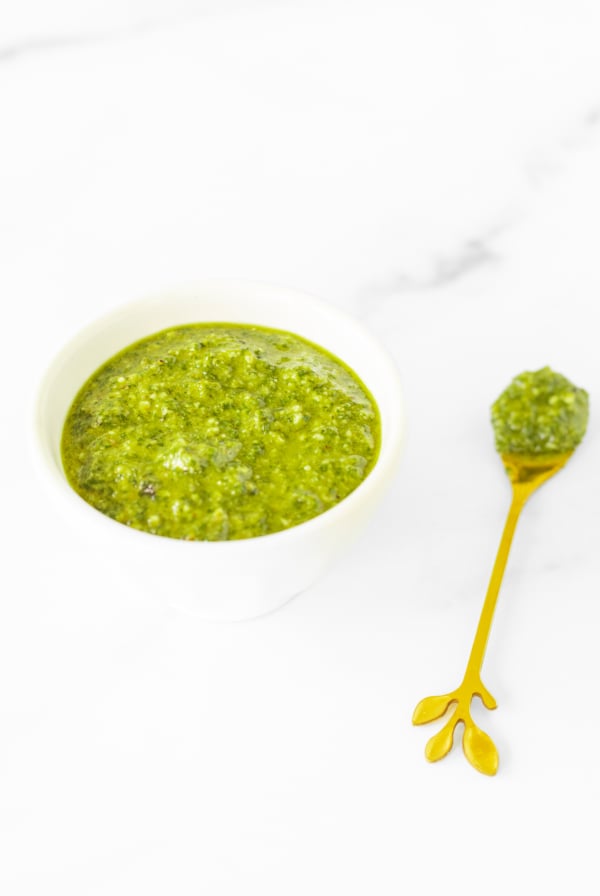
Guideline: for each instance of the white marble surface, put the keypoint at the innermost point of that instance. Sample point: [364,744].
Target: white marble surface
[434,168]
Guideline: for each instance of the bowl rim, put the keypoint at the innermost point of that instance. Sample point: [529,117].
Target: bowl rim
[383,468]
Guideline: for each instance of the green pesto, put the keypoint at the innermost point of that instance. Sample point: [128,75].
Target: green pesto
[219,431]
[541,412]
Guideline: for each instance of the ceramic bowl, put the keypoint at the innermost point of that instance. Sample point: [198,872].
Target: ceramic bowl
[227,580]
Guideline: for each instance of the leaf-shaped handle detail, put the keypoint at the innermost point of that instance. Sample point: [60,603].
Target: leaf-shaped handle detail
[431,708]
[486,698]
[480,750]
[441,743]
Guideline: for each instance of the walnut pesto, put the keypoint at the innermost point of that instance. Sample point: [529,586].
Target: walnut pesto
[541,412]
[219,431]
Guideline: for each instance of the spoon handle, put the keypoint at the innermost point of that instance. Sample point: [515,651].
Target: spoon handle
[484,625]
[526,476]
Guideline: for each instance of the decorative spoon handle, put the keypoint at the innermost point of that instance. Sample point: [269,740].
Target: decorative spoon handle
[526,475]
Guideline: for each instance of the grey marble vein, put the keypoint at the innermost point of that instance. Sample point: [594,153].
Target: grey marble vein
[53,43]
[474,254]
[592,116]
[445,270]
[10,52]
[48,44]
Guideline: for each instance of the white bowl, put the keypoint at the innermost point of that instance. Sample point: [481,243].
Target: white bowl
[227,580]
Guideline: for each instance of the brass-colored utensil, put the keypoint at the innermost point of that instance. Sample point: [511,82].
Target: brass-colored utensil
[526,474]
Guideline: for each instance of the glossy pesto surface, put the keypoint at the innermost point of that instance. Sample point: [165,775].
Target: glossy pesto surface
[541,412]
[219,431]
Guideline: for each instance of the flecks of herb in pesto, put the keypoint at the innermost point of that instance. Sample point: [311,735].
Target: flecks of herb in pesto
[541,412]
[219,431]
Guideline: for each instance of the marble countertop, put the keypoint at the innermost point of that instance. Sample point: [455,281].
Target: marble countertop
[434,169]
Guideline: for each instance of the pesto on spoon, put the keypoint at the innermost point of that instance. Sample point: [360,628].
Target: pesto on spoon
[538,422]
[540,413]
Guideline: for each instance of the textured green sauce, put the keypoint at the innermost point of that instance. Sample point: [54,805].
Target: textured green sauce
[541,412]
[219,431]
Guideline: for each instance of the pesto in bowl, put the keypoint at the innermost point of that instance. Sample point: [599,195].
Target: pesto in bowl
[219,431]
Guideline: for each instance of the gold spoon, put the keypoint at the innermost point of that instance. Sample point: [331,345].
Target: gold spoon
[526,474]
[538,422]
